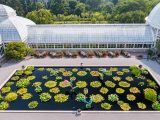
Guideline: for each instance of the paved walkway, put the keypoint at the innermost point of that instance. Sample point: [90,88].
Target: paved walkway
[9,67]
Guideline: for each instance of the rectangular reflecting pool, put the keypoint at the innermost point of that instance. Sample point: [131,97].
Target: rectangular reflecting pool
[86,88]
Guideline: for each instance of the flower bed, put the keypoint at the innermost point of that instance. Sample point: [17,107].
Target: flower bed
[70,88]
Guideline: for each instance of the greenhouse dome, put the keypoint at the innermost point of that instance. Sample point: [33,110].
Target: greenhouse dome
[6,11]
[13,27]
[154,17]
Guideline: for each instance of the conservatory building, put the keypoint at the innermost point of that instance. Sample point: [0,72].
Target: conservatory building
[79,36]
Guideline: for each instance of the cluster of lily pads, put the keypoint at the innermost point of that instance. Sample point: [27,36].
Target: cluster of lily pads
[103,80]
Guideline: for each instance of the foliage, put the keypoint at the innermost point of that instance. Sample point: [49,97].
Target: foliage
[104,90]
[26,96]
[135,71]
[73,78]
[95,84]
[113,97]
[22,83]
[28,72]
[125,107]
[4,105]
[82,73]
[61,98]
[94,73]
[36,84]
[120,90]
[50,84]
[152,84]
[125,70]
[19,72]
[124,84]
[9,84]
[33,104]
[97,98]
[120,73]
[116,78]
[106,106]
[15,78]
[42,16]
[156,105]
[141,83]
[38,89]
[31,78]
[134,90]
[67,73]
[108,73]
[12,96]
[110,84]
[30,68]
[141,105]
[45,77]
[81,84]
[54,90]
[22,91]
[150,94]
[41,69]
[80,97]
[129,78]
[58,78]
[63,85]
[131,97]
[74,70]
[6,89]
[44,97]
[17,50]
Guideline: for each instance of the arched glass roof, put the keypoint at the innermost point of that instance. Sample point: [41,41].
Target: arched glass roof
[6,11]
[90,33]
[14,28]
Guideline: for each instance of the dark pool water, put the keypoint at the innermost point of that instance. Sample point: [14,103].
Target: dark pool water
[72,104]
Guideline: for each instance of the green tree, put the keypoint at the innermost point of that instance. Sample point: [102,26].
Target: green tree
[132,17]
[42,16]
[80,8]
[17,50]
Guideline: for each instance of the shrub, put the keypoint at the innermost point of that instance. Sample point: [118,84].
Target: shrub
[44,97]
[95,84]
[63,85]
[41,69]
[50,84]
[124,84]
[108,73]
[61,98]
[135,71]
[97,98]
[17,50]
[28,72]
[80,97]
[26,96]
[120,73]
[21,91]
[104,90]
[106,106]
[30,68]
[113,97]
[12,96]
[120,90]
[152,84]
[94,73]
[156,105]
[33,104]
[129,78]
[150,94]
[141,105]
[125,70]
[81,84]
[110,84]
[45,77]
[6,89]
[22,83]
[67,73]
[4,105]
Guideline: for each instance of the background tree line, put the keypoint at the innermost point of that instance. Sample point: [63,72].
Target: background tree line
[83,11]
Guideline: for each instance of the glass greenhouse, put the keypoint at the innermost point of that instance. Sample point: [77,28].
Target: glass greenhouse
[83,36]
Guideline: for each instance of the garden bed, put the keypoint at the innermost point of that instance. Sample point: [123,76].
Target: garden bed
[86,88]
